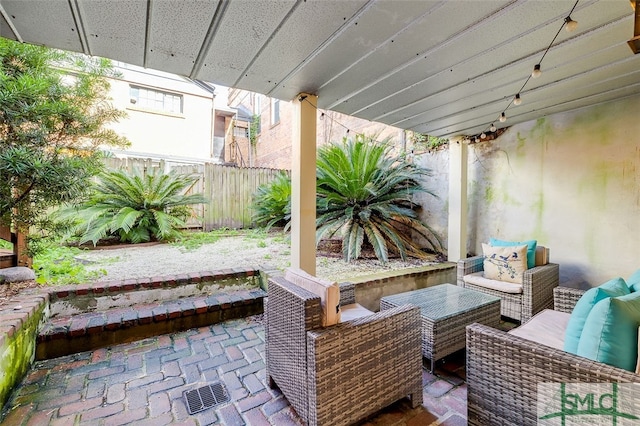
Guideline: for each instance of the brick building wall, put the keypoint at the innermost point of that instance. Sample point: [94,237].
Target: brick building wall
[237,149]
[273,146]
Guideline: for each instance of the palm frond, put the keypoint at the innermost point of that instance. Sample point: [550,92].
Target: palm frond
[135,207]
[367,193]
[377,241]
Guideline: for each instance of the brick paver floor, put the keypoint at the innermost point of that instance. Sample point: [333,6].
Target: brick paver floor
[143,383]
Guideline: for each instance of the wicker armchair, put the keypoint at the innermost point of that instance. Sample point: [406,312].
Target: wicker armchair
[342,373]
[537,288]
[503,371]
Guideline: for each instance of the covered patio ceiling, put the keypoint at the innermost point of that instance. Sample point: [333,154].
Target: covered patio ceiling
[439,67]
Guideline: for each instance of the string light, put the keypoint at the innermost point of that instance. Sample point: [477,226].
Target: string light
[570,25]
[483,135]
[517,100]
[537,71]
[333,120]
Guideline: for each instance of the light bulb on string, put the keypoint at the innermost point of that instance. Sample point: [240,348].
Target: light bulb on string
[517,100]
[537,71]
[503,117]
[570,24]
[483,135]
[493,127]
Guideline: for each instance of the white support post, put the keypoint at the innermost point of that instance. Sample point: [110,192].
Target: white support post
[303,184]
[457,241]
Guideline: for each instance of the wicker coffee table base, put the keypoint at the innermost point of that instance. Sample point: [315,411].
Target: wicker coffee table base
[444,336]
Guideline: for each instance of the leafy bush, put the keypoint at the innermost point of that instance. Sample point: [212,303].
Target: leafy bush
[134,208]
[365,194]
[272,203]
[53,127]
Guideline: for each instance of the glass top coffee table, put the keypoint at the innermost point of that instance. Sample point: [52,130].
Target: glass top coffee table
[446,310]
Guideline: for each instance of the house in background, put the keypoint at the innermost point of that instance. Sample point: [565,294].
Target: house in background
[185,121]
[173,118]
[271,146]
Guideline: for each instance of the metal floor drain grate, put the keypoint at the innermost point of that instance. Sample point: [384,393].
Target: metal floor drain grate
[205,397]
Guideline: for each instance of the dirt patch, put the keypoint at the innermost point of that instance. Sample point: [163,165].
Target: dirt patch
[136,261]
[10,290]
[272,251]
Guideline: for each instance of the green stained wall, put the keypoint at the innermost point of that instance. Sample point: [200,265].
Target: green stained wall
[570,180]
[17,353]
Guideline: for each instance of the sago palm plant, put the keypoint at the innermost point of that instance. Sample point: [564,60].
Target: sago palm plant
[272,202]
[134,207]
[365,194]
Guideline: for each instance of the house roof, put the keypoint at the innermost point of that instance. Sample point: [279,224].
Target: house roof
[244,114]
[437,67]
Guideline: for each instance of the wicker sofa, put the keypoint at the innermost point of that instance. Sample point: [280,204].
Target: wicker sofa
[503,371]
[339,374]
[537,287]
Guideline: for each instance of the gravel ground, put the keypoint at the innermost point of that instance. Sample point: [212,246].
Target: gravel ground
[237,251]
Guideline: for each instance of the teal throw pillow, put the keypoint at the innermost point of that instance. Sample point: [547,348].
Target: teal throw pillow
[610,333]
[612,288]
[531,248]
[634,281]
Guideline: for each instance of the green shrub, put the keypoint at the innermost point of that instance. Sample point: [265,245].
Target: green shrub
[54,126]
[134,208]
[272,203]
[365,194]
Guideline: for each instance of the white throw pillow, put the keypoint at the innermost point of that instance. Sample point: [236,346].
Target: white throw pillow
[505,263]
[329,293]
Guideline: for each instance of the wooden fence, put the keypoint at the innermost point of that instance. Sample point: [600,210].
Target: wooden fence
[229,189]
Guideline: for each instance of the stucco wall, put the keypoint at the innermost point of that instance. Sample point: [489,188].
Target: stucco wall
[185,135]
[571,181]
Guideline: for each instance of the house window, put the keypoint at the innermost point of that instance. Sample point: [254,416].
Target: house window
[275,111]
[156,99]
[240,132]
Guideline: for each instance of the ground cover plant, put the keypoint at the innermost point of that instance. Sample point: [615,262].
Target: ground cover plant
[56,264]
